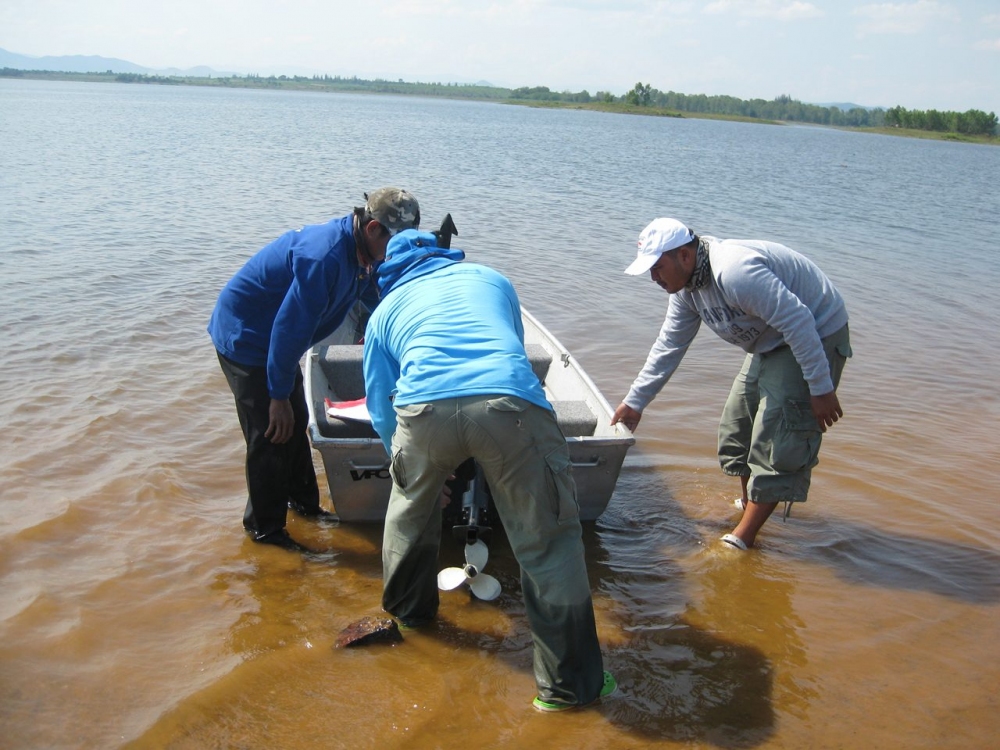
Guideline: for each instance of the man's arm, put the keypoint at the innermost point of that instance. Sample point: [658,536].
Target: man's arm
[762,293]
[676,334]
[757,290]
[291,334]
[294,327]
[381,374]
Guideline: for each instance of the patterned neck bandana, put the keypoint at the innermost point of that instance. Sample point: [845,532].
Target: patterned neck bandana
[702,268]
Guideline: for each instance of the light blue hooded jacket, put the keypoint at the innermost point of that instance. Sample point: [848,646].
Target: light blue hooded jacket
[443,329]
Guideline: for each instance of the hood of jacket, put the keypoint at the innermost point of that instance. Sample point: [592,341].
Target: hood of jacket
[410,255]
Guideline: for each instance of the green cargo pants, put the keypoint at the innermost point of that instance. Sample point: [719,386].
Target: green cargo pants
[526,462]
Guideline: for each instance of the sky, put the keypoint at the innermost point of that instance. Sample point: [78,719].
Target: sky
[920,54]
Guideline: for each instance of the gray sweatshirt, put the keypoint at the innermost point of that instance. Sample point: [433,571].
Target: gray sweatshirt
[760,296]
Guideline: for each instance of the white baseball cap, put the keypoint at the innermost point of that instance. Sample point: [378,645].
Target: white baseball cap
[660,236]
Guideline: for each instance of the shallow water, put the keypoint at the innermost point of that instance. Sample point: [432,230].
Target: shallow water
[135,612]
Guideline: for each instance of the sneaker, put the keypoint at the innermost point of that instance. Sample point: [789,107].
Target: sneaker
[414,623]
[281,539]
[609,687]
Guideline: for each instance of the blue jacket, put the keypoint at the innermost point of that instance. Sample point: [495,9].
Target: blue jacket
[293,293]
[443,329]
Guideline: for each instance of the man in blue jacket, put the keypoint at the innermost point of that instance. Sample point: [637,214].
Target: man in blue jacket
[293,293]
[447,379]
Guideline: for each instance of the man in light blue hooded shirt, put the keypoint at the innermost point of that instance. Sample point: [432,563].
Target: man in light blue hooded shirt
[447,379]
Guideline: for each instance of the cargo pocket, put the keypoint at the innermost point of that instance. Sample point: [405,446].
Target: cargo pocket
[795,445]
[408,411]
[559,476]
[507,403]
[397,470]
[407,416]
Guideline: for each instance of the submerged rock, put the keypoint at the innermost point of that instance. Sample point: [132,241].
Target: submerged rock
[369,630]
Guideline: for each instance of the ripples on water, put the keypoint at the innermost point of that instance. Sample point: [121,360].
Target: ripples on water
[134,611]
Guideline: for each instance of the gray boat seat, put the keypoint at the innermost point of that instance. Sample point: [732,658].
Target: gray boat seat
[342,429]
[540,360]
[575,418]
[343,367]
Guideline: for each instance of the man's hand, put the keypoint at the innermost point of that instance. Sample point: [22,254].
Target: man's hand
[827,409]
[627,416]
[282,424]
[445,497]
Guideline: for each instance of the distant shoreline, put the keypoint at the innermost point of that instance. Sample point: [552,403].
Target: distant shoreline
[627,109]
[467,92]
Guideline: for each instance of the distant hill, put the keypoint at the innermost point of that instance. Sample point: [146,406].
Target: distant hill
[69,63]
[94,64]
[97,64]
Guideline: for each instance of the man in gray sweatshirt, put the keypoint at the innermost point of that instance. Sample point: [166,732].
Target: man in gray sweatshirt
[781,309]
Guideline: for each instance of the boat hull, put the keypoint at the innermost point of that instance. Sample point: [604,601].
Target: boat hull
[357,466]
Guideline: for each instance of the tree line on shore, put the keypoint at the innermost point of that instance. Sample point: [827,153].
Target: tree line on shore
[642,96]
[972,122]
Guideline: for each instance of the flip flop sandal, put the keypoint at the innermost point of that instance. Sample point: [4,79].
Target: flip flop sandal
[734,541]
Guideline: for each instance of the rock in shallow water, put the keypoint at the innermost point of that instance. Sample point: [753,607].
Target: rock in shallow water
[369,630]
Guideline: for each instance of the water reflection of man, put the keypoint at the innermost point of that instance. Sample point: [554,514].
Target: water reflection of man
[447,379]
[781,309]
[293,293]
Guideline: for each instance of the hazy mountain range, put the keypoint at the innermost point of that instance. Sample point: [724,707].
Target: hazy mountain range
[98,64]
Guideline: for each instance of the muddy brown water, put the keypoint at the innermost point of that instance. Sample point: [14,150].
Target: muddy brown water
[135,613]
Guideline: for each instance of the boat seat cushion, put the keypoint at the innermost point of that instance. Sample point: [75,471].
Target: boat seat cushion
[540,360]
[344,369]
[343,429]
[575,418]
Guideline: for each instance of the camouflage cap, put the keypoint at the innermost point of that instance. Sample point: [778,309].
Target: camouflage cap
[393,208]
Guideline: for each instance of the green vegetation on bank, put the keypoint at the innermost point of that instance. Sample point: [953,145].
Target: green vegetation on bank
[784,108]
[973,122]
[973,125]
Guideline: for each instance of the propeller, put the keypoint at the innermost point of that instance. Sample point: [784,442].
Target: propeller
[482,585]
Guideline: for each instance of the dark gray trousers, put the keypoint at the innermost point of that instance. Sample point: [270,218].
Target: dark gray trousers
[276,474]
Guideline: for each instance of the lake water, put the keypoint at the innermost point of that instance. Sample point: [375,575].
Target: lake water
[134,611]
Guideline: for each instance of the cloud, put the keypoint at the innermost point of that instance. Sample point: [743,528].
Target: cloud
[988,44]
[902,18]
[780,10]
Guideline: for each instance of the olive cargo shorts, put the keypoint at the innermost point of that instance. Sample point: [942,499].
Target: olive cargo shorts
[768,431]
